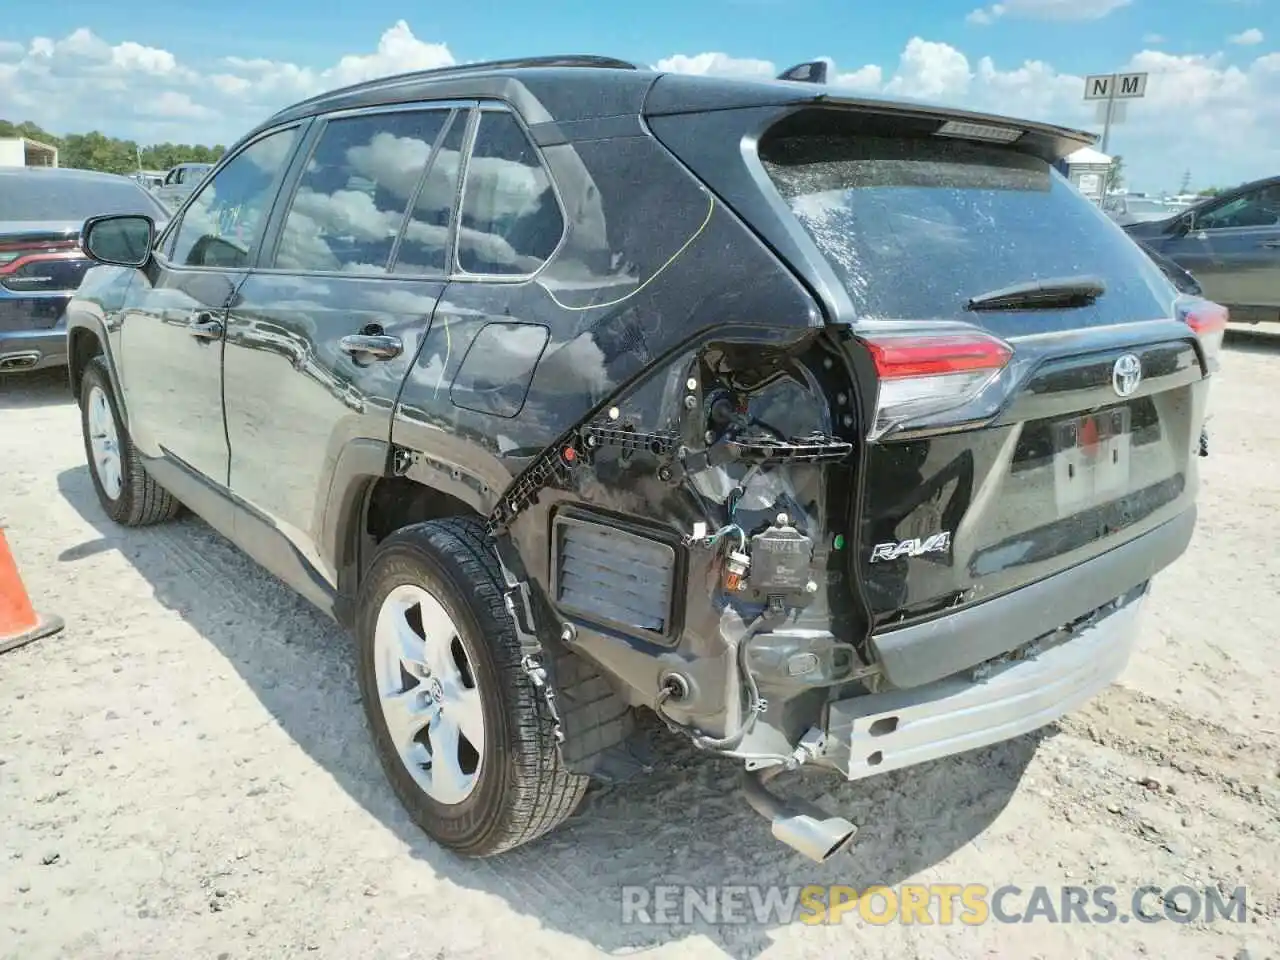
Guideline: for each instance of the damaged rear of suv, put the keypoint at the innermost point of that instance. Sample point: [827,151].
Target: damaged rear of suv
[835,432]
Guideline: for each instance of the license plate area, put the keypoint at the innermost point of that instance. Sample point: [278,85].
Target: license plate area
[1091,458]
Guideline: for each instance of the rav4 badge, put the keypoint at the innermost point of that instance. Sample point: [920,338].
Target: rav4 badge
[938,543]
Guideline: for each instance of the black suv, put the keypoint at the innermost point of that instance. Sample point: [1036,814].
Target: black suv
[835,432]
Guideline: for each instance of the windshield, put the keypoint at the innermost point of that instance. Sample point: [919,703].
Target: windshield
[42,195]
[913,227]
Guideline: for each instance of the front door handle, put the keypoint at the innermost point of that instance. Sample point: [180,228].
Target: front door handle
[204,327]
[378,346]
[1273,244]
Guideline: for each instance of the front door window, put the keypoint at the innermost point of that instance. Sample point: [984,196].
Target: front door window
[222,223]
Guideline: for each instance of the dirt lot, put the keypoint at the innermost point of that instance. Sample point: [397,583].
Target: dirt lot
[185,773]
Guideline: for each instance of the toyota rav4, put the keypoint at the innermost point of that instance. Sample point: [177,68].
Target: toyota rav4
[837,432]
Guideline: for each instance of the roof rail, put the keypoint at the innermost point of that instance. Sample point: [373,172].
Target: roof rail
[459,69]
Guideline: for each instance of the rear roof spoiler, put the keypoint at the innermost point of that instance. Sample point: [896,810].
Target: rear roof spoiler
[675,93]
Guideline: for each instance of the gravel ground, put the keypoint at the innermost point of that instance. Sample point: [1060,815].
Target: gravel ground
[184,770]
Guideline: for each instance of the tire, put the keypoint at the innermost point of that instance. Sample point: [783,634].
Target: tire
[128,494]
[519,788]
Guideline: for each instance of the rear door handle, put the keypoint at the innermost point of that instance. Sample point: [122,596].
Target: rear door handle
[203,326]
[378,346]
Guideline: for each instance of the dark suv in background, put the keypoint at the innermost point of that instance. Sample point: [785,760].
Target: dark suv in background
[837,432]
[42,211]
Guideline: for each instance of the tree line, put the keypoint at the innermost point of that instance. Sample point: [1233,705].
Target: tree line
[97,151]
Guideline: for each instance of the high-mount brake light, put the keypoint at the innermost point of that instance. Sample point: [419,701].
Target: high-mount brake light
[965,130]
[926,374]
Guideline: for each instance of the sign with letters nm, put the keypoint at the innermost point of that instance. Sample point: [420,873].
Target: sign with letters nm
[1118,86]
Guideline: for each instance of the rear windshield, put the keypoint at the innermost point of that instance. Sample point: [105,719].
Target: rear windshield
[48,196]
[914,227]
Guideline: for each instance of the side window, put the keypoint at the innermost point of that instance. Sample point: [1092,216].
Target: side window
[1258,208]
[352,196]
[221,224]
[510,222]
[425,246]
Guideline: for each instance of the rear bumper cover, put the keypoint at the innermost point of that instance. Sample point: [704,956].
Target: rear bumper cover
[920,654]
[48,346]
[877,733]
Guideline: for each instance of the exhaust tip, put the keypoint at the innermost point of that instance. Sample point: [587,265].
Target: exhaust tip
[819,840]
[802,826]
[19,361]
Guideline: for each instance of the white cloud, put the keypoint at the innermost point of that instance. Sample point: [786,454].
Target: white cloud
[1047,10]
[719,64]
[870,77]
[175,105]
[1154,38]
[1246,38]
[986,15]
[134,56]
[126,88]
[928,71]
[83,82]
[399,51]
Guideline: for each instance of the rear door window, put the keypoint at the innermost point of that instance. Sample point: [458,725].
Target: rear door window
[424,248]
[915,226]
[510,221]
[351,199]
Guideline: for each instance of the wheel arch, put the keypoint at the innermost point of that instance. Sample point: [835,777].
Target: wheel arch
[83,344]
[376,489]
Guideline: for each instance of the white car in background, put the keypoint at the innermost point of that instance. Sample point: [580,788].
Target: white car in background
[1130,209]
[179,182]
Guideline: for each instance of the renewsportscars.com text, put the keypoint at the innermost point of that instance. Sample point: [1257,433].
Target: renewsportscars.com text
[944,904]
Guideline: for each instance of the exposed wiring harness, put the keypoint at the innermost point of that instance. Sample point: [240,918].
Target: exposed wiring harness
[740,491]
[712,539]
[756,705]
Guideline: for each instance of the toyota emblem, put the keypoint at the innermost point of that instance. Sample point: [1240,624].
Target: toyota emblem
[1126,375]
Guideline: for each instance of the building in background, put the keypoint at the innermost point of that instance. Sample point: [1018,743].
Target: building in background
[1087,169]
[23,152]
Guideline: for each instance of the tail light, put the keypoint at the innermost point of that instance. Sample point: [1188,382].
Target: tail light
[14,254]
[1209,321]
[922,375]
[24,266]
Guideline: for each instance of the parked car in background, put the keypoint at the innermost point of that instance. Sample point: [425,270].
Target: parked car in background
[179,181]
[150,179]
[837,432]
[1126,209]
[1230,244]
[42,210]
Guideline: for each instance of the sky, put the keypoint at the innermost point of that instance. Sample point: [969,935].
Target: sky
[208,72]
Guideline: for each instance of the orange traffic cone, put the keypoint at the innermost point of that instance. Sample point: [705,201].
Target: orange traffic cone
[19,622]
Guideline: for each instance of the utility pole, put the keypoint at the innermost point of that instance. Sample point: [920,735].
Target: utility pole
[1109,112]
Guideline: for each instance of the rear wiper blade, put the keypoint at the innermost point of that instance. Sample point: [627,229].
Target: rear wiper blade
[1041,295]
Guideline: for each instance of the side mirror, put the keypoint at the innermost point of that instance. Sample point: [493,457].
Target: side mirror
[122,240]
[1181,226]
